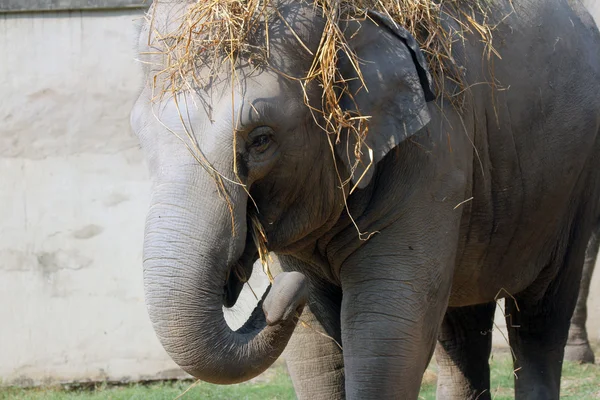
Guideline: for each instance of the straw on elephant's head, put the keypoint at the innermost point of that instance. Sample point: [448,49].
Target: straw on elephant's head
[213,34]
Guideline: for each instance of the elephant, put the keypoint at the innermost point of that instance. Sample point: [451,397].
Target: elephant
[578,348]
[448,208]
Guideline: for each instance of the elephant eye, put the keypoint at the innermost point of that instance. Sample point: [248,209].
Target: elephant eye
[260,139]
[261,142]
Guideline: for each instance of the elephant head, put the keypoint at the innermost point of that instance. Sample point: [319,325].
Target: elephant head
[250,145]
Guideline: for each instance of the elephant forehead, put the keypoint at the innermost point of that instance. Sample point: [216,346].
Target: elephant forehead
[183,123]
[211,117]
[250,97]
[270,98]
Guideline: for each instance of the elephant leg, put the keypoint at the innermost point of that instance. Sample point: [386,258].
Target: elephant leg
[538,322]
[397,283]
[313,356]
[537,335]
[578,347]
[389,330]
[462,352]
[396,292]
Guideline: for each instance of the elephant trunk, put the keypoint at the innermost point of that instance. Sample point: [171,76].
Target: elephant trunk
[189,253]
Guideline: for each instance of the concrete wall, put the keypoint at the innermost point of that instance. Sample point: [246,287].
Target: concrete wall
[74,193]
[594,7]
[59,5]
[73,197]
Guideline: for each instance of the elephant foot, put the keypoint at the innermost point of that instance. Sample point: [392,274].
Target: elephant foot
[579,352]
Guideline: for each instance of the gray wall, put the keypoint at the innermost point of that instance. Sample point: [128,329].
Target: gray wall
[594,7]
[74,193]
[56,5]
[73,198]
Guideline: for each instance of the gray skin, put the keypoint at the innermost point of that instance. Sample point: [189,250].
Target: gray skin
[467,207]
[578,347]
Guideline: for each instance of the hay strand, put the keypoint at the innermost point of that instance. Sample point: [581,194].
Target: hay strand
[212,32]
[212,35]
[260,241]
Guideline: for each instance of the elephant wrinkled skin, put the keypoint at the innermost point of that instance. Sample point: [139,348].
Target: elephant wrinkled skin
[578,348]
[496,198]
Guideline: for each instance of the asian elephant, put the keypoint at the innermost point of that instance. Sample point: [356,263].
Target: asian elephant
[578,347]
[457,204]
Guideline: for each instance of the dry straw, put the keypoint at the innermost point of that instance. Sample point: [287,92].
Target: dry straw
[213,34]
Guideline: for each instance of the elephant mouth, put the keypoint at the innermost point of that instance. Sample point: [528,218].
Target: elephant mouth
[239,273]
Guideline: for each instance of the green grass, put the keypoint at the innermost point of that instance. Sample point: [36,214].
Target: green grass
[274,384]
[581,382]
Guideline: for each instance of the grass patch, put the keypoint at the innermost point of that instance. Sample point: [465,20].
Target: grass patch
[274,384]
[581,382]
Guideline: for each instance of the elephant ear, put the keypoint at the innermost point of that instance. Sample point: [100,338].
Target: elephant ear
[398,87]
